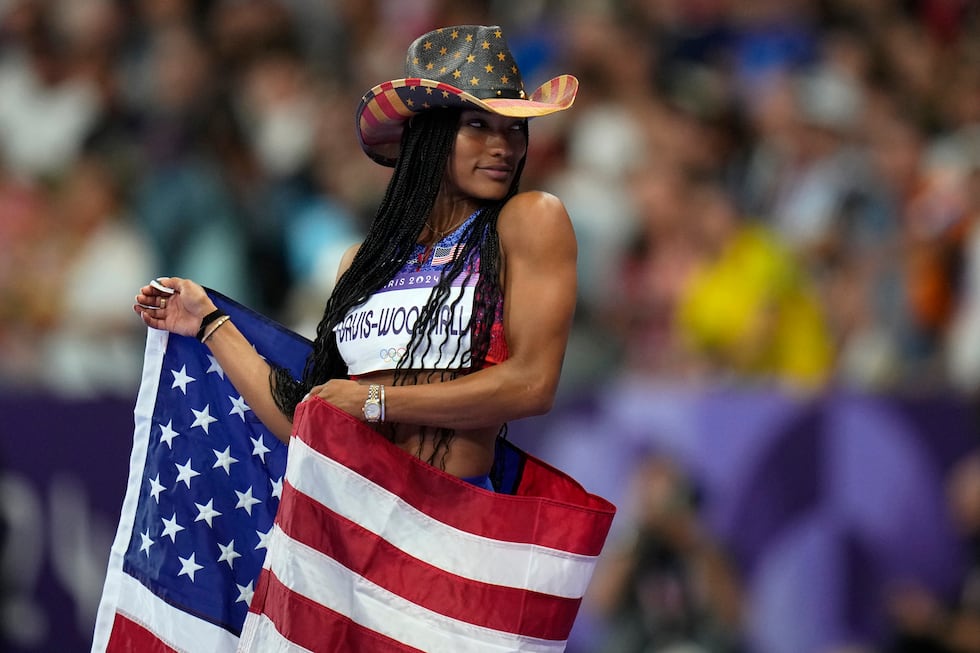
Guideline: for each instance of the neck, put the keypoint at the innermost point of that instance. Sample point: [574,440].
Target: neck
[446,217]
[450,212]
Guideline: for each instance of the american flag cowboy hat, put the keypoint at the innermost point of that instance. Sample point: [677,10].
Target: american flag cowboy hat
[466,66]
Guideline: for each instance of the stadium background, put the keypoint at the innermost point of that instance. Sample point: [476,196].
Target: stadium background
[776,355]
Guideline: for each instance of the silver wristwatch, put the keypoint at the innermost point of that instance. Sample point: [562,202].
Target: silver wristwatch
[374,404]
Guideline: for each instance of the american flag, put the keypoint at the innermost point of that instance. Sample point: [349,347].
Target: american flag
[204,486]
[371,549]
[443,254]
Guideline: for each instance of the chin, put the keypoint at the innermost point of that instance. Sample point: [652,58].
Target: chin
[493,194]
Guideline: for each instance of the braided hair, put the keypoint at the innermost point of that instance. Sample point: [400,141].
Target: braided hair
[426,144]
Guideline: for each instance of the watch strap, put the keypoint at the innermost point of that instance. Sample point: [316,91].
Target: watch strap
[373,409]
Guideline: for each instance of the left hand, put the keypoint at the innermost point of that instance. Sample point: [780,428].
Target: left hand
[178,312]
[346,395]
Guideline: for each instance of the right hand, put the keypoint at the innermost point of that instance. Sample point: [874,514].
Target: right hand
[179,313]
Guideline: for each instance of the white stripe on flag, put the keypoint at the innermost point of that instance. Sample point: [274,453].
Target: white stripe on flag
[524,566]
[317,577]
[178,629]
[156,346]
[260,634]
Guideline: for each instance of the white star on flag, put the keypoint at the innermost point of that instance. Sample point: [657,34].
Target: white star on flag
[167,433]
[181,379]
[215,367]
[171,528]
[145,543]
[263,539]
[245,592]
[188,567]
[156,488]
[239,407]
[206,512]
[246,500]
[228,553]
[224,459]
[203,418]
[258,448]
[185,473]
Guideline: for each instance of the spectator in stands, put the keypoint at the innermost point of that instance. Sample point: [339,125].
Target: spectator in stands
[925,622]
[668,587]
[46,106]
[185,200]
[27,277]
[774,330]
[91,347]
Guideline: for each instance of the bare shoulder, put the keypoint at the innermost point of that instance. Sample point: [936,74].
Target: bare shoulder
[533,203]
[534,213]
[535,230]
[347,258]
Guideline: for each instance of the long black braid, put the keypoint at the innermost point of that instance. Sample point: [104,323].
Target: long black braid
[426,145]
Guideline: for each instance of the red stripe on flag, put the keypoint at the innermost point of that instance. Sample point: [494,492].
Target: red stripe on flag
[315,627]
[128,636]
[561,515]
[507,609]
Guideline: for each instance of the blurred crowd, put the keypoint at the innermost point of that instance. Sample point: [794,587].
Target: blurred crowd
[782,192]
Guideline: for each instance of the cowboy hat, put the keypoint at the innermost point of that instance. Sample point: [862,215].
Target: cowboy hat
[466,66]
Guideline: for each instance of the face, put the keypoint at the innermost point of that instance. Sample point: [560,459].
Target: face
[485,156]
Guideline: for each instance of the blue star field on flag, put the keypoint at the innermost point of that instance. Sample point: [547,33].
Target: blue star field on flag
[212,481]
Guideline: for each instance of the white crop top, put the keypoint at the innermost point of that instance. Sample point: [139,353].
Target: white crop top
[374,335]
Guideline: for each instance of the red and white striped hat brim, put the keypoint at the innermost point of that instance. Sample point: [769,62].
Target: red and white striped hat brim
[384,109]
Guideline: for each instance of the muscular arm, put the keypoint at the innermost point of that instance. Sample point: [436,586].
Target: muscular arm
[539,279]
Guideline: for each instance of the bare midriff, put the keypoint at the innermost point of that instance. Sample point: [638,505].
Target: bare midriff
[471,451]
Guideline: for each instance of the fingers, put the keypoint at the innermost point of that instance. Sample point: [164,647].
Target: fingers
[161,287]
[146,302]
[157,284]
[314,392]
[154,295]
[150,320]
[174,304]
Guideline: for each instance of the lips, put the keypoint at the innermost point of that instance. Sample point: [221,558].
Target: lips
[498,173]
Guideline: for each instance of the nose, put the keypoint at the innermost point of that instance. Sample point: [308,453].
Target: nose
[508,142]
[498,143]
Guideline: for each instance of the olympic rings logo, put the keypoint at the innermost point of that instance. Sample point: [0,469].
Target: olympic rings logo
[392,355]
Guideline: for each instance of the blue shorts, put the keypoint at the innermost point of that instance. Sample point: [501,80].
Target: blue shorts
[481,481]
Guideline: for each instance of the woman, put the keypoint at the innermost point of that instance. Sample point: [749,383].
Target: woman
[452,317]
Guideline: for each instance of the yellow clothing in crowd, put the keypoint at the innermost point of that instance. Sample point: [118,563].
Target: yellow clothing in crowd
[751,312]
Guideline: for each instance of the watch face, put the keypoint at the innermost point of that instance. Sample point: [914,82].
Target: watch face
[372,411]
